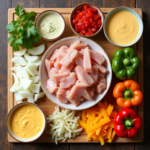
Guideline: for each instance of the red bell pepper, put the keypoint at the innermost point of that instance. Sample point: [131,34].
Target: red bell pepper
[126,123]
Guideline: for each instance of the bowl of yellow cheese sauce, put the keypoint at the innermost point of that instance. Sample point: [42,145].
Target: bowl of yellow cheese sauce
[123,27]
[26,122]
[50,25]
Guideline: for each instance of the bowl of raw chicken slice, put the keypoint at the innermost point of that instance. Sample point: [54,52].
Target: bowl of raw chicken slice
[75,73]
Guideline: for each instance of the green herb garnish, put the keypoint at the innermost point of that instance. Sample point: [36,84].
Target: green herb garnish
[22,31]
[52,28]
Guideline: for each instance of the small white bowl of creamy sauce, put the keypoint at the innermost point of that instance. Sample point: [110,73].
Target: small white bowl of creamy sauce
[50,25]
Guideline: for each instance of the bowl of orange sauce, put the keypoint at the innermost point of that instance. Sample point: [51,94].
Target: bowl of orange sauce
[123,26]
[26,122]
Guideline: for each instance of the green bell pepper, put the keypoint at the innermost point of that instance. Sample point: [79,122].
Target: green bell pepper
[125,63]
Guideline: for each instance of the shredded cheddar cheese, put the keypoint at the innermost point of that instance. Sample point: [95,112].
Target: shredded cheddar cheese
[98,122]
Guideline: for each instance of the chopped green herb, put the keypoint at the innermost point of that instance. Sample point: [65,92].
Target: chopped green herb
[52,28]
[22,31]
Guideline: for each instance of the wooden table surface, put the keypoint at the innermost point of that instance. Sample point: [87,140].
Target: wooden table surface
[4,5]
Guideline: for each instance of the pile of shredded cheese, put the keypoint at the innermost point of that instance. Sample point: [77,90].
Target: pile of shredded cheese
[98,122]
[63,125]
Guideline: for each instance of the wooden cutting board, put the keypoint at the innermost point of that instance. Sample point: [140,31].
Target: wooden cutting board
[47,106]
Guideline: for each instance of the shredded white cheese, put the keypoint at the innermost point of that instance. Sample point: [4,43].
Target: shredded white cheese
[63,125]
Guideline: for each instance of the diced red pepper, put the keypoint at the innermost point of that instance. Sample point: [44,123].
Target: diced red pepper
[86,20]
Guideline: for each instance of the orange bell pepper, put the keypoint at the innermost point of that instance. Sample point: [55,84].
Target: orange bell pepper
[127,94]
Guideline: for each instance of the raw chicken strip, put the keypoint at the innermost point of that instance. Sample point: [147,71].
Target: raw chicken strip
[60,56]
[79,61]
[60,77]
[77,92]
[70,80]
[52,72]
[54,55]
[101,84]
[94,75]
[75,43]
[81,53]
[83,76]
[75,102]
[70,58]
[87,60]
[96,56]
[101,69]
[78,45]
[49,65]
[81,98]
[82,84]
[63,49]
[61,96]
[91,91]
[57,65]
[51,86]
[66,69]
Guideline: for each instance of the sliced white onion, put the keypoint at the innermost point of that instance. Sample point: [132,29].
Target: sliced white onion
[19,60]
[16,83]
[18,96]
[37,62]
[20,53]
[30,58]
[35,88]
[32,69]
[19,101]
[27,95]
[37,50]
[24,73]
[35,79]
[26,79]
[26,83]
[20,88]
[37,96]
[17,71]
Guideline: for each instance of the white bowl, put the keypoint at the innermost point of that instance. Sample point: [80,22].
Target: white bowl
[14,135]
[137,17]
[47,12]
[44,76]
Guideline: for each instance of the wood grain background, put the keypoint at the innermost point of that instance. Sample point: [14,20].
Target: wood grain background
[4,5]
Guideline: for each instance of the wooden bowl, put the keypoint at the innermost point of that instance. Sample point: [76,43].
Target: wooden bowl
[14,135]
[80,6]
[44,76]
[42,14]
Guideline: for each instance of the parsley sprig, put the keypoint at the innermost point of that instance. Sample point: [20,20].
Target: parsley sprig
[22,31]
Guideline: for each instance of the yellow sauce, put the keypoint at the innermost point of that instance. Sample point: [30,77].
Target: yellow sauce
[26,121]
[122,27]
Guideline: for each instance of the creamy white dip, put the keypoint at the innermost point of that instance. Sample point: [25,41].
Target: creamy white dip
[51,25]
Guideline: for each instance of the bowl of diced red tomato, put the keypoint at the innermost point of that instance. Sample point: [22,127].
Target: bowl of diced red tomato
[86,20]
